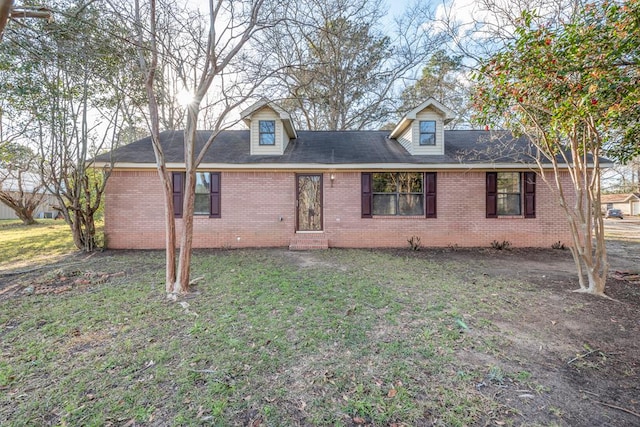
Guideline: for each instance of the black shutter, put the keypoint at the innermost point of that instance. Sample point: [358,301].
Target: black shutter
[367,195]
[492,195]
[178,192]
[430,194]
[529,194]
[215,195]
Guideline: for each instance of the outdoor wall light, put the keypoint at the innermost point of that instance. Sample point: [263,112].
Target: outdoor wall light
[332,177]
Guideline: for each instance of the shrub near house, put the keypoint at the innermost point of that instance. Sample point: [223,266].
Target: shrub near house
[272,186]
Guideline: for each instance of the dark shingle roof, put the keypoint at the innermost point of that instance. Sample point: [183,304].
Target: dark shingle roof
[333,148]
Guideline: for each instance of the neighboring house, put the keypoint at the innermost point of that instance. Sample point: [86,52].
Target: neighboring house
[45,209]
[274,186]
[30,182]
[628,203]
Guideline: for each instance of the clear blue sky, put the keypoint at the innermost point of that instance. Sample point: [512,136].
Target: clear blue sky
[397,7]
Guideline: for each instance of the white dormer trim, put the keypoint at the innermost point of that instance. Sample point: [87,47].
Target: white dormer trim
[411,116]
[407,132]
[246,114]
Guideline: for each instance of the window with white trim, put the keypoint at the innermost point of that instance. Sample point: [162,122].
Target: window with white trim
[267,132]
[427,132]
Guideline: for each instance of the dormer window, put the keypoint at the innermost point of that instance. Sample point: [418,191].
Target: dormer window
[267,133]
[270,128]
[421,131]
[427,132]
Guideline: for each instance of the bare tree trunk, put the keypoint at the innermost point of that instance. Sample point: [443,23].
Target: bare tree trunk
[186,239]
[23,212]
[215,53]
[584,217]
[5,10]
[149,69]
[169,229]
[76,232]
[26,218]
[22,200]
[23,206]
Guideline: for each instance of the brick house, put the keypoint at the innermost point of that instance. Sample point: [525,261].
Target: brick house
[273,186]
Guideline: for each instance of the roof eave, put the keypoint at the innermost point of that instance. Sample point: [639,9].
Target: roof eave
[432,102]
[288,127]
[244,114]
[334,166]
[400,127]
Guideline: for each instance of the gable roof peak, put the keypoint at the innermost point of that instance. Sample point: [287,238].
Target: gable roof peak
[432,102]
[263,102]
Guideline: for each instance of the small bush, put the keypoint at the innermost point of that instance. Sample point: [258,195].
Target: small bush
[496,375]
[505,244]
[558,245]
[414,243]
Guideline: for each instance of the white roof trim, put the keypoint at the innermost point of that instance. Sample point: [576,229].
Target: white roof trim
[263,102]
[343,166]
[411,116]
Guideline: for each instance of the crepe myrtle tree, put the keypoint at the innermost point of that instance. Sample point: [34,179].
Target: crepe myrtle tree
[206,51]
[573,88]
[21,188]
[67,78]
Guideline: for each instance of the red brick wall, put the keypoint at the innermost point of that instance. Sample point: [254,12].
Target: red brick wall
[253,204]
[461,217]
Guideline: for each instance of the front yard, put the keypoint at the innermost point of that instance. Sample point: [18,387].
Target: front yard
[340,337]
[22,246]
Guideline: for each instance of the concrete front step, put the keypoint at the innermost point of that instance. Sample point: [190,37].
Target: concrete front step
[304,242]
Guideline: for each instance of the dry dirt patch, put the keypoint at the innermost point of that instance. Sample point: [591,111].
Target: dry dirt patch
[582,351]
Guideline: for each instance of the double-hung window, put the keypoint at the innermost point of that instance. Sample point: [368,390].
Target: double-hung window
[267,132]
[427,132]
[207,194]
[398,194]
[509,198]
[511,194]
[202,205]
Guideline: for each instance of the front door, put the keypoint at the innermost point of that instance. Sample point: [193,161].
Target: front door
[309,202]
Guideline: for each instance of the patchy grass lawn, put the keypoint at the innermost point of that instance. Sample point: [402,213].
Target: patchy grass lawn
[22,245]
[340,337]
